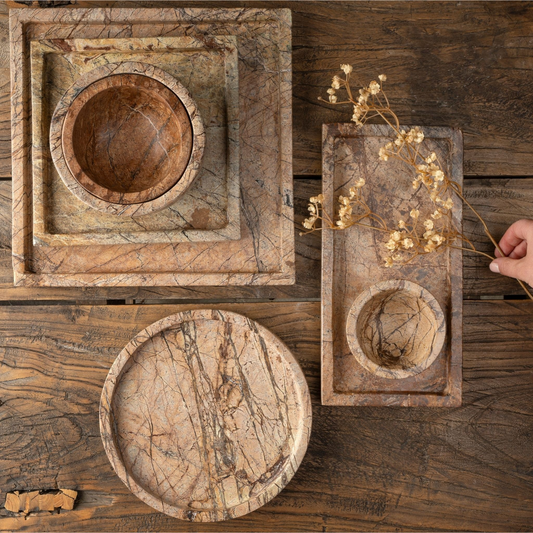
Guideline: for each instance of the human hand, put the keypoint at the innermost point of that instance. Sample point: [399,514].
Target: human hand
[517,245]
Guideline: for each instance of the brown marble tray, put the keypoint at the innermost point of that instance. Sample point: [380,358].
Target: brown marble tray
[353,267]
[60,244]
[205,415]
[209,210]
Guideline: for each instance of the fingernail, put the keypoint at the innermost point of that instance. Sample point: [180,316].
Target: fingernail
[494,267]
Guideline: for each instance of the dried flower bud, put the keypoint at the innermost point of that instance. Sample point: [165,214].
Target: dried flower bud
[374,87]
[431,157]
[428,224]
[331,91]
[344,200]
[346,69]
[415,213]
[332,99]
[388,262]
[336,82]
[309,222]
[407,243]
[382,77]
[439,175]
[383,154]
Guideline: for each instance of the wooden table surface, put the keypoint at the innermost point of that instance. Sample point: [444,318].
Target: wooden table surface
[461,64]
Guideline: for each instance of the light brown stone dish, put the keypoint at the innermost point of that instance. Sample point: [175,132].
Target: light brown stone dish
[205,415]
[209,210]
[127,134]
[127,138]
[395,329]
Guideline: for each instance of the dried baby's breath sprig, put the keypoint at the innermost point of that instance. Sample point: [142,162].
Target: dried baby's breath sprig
[416,235]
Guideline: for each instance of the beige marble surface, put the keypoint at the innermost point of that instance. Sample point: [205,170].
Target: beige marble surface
[264,253]
[205,415]
[352,262]
[208,210]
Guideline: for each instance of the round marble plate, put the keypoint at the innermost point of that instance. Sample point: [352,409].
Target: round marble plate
[205,415]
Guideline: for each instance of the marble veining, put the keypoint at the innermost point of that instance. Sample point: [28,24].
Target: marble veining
[127,138]
[103,144]
[375,350]
[263,251]
[205,415]
[209,210]
[395,329]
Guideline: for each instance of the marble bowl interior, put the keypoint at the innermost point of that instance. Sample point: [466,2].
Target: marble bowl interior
[399,331]
[130,137]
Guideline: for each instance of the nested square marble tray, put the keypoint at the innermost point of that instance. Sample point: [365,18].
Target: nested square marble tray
[199,240]
[210,208]
[353,270]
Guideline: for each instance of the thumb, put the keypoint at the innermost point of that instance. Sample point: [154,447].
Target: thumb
[514,268]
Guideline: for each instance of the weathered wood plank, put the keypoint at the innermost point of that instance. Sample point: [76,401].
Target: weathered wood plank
[464,65]
[368,468]
[500,201]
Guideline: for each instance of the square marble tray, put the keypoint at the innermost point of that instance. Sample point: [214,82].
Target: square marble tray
[209,210]
[352,262]
[264,253]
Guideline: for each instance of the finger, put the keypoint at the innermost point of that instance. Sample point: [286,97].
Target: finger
[514,268]
[520,251]
[515,234]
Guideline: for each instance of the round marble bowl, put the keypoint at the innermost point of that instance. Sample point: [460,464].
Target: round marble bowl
[127,139]
[395,329]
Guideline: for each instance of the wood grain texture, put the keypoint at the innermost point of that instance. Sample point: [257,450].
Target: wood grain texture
[464,469]
[500,201]
[462,65]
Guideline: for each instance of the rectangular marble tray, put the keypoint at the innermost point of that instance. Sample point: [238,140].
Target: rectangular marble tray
[209,210]
[264,253]
[352,262]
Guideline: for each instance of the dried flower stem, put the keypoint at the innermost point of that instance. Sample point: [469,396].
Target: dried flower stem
[408,240]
